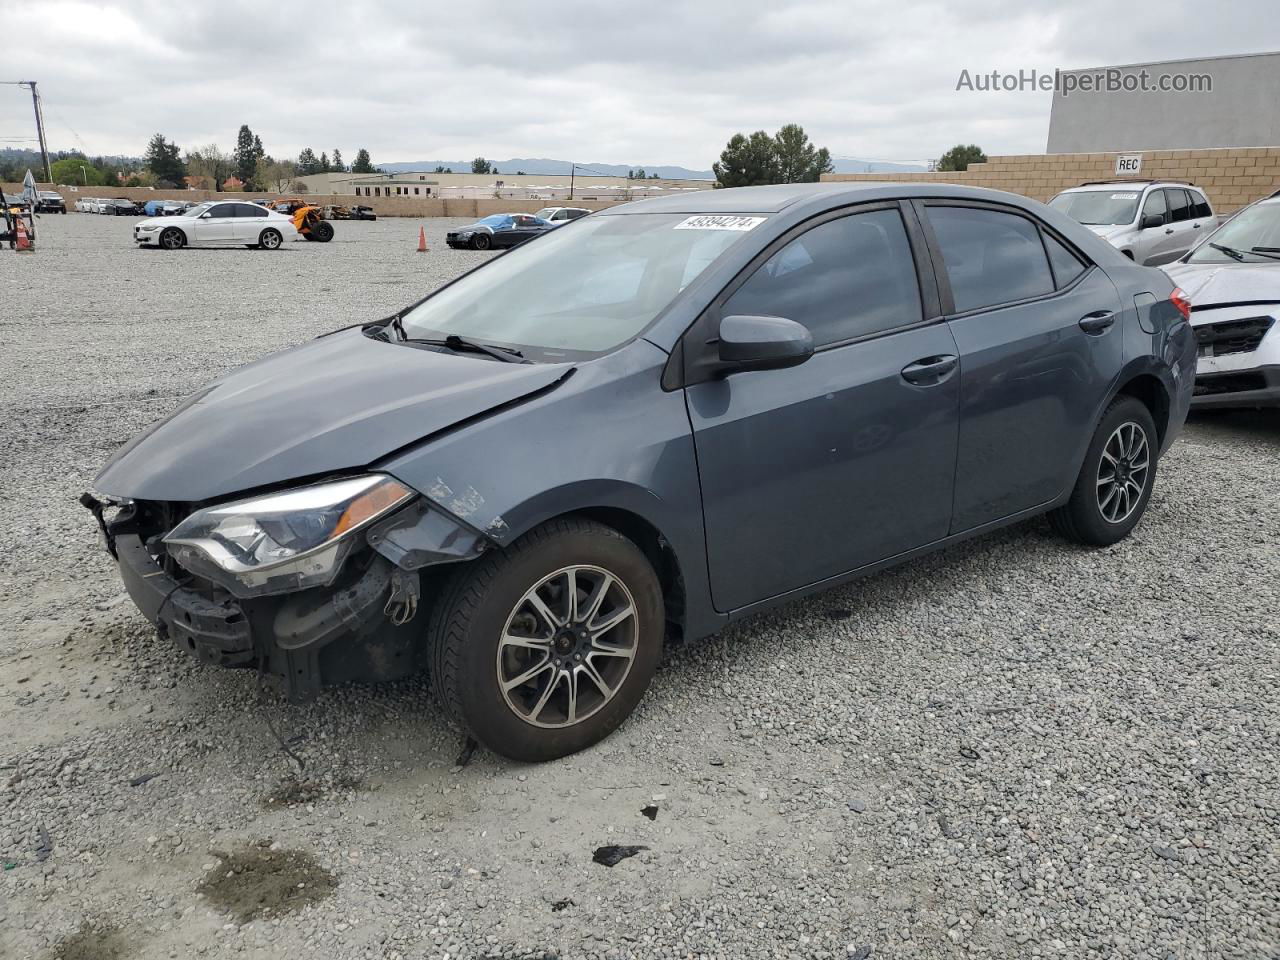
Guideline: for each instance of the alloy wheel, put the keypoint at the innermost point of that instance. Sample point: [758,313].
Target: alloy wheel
[568,646]
[1123,471]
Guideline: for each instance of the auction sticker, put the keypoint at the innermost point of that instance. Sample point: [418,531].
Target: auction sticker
[708,222]
[1124,196]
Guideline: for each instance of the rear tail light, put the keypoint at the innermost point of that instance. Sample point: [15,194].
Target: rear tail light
[1181,303]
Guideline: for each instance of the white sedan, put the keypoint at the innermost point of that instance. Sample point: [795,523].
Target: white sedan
[217,223]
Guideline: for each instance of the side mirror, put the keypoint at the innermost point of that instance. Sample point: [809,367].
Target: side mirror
[1151,220]
[205,216]
[763,343]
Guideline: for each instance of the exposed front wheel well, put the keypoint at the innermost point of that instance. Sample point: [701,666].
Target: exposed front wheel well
[1151,392]
[659,553]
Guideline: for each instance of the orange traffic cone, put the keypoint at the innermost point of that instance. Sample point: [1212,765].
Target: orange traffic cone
[422,240]
[23,239]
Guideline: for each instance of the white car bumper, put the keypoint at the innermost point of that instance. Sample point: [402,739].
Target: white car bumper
[1238,356]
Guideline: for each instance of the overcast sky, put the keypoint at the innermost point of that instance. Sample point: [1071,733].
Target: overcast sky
[576,79]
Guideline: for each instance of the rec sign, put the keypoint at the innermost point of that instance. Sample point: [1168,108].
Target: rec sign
[1128,165]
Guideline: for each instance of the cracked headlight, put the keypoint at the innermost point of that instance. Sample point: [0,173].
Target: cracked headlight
[282,542]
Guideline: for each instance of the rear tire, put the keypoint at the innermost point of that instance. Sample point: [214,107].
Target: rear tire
[171,238]
[322,232]
[570,655]
[1116,479]
[270,239]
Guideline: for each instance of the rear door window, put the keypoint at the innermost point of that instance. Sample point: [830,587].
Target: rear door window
[845,278]
[990,257]
[1179,206]
[250,210]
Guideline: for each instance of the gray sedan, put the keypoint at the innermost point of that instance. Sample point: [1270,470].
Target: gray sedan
[645,425]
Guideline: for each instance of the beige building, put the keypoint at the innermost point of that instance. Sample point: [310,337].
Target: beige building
[427,185]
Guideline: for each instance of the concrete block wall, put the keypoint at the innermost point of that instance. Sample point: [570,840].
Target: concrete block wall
[382,206]
[1232,177]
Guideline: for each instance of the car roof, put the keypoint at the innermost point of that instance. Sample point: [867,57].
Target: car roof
[817,196]
[1103,186]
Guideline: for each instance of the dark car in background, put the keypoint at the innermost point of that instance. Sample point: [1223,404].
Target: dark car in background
[675,414]
[47,201]
[498,231]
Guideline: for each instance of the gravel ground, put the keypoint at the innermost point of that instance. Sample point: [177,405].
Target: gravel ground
[1014,748]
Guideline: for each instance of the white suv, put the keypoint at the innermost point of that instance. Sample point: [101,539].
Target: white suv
[1151,222]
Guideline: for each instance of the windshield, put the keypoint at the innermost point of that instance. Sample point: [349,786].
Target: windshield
[1098,206]
[545,213]
[579,290]
[497,220]
[1257,226]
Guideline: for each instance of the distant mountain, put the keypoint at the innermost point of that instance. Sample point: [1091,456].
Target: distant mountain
[545,167]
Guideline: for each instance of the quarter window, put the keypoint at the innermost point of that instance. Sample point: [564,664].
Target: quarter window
[1179,208]
[990,257]
[1199,205]
[842,279]
[1066,266]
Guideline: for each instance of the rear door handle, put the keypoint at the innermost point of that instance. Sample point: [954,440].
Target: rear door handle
[930,370]
[1098,322]
[1170,230]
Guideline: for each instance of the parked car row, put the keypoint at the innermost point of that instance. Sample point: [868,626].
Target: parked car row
[1229,272]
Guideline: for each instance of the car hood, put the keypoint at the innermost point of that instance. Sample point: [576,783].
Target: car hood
[1108,230]
[1227,283]
[170,221]
[337,403]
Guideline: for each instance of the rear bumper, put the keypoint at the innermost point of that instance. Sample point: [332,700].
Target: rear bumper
[1257,387]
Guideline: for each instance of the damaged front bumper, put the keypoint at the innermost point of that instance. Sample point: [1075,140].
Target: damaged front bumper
[361,627]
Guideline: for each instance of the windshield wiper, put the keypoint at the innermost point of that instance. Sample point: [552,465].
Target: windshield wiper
[1271,252]
[463,345]
[1231,252]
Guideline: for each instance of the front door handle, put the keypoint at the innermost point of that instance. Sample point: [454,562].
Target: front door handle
[927,371]
[1170,230]
[1097,322]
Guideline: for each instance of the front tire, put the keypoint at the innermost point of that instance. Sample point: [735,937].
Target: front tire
[1116,480]
[543,649]
[481,241]
[171,238]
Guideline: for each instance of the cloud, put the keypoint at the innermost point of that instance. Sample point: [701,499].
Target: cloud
[669,83]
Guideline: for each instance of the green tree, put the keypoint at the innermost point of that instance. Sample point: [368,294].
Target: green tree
[480,165]
[337,165]
[209,161]
[798,160]
[323,165]
[245,157]
[308,162]
[164,159]
[960,156]
[67,170]
[637,174]
[362,164]
[747,161]
[275,175]
[495,171]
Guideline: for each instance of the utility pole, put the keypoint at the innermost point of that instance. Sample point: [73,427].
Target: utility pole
[573,168]
[35,103]
[44,147]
